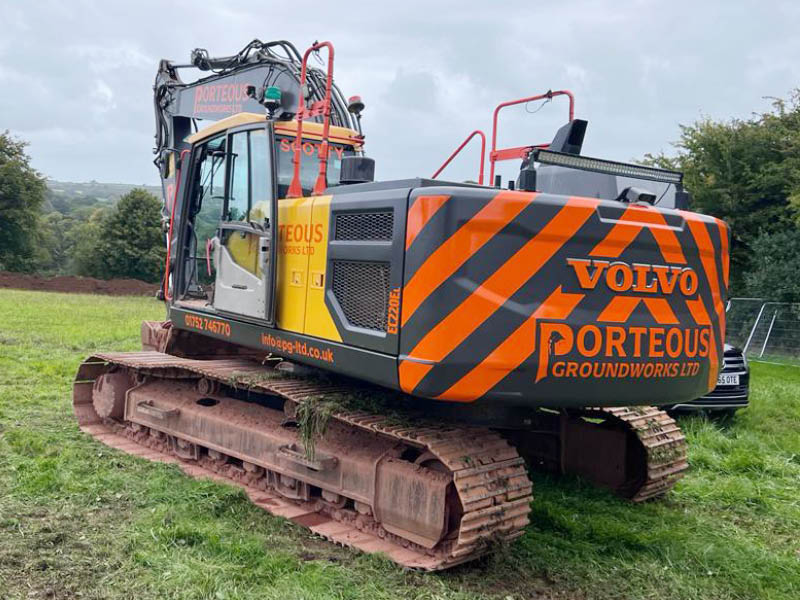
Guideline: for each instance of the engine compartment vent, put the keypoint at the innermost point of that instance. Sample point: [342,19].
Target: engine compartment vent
[362,290]
[364,226]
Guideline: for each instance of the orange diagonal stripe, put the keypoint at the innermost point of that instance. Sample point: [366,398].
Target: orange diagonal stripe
[628,227]
[512,352]
[504,282]
[411,373]
[661,311]
[700,316]
[619,309]
[470,237]
[726,259]
[709,262]
[420,213]
[619,238]
[698,310]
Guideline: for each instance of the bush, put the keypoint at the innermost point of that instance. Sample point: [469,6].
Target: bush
[775,270]
[22,192]
[126,242]
[746,172]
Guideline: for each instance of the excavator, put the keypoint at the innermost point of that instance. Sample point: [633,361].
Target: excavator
[383,361]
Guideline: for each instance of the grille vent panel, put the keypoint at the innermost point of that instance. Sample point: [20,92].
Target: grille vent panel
[362,290]
[364,226]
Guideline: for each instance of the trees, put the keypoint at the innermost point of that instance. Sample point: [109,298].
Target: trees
[746,172]
[128,242]
[775,268]
[125,241]
[89,239]
[22,191]
[84,242]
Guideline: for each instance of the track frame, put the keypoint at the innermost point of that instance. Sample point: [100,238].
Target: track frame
[488,476]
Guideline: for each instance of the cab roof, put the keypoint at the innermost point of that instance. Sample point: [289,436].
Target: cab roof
[311,129]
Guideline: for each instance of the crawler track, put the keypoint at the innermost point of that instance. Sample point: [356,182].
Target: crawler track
[489,477]
[664,445]
[639,452]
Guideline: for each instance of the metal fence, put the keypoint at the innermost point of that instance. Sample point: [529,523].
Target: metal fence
[768,331]
[741,315]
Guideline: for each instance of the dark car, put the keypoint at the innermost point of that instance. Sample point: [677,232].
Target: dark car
[733,387]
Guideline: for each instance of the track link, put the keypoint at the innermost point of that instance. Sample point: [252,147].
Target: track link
[488,475]
[663,442]
[637,452]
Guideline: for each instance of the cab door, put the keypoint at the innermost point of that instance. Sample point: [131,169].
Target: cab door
[244,249]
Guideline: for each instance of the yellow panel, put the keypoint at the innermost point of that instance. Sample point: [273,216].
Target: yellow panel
[294,233]
[223,124]
[244,249]
[261,210]
[319,322]
[311,129]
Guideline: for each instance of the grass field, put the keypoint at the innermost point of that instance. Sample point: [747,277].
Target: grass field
[79,520]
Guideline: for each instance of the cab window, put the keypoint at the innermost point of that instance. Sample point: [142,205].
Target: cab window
[239,195]
[206,204]
[309,163]
[250,192]
[261,179]
[211,186]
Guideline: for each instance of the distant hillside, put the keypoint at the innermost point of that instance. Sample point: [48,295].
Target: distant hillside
[68,197]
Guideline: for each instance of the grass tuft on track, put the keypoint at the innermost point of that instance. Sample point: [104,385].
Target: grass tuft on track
[78,519]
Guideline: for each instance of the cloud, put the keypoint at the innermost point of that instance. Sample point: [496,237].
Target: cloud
[414,91]
[77,77]
[103,96]
[101,58]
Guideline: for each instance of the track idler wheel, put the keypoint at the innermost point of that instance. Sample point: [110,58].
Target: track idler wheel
[108,394]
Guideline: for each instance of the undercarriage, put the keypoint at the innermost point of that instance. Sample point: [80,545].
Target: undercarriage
[428,493]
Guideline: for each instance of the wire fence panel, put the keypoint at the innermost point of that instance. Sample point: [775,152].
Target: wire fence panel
[774,334]
[740,316]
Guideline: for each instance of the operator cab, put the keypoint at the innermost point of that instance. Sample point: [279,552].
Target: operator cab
[239,173]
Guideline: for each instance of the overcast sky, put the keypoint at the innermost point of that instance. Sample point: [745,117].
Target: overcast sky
[76,77]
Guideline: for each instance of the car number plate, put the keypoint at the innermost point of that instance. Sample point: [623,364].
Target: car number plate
[728,379]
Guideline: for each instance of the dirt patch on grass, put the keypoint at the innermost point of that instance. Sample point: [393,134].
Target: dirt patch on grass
[77,285]
[51,554]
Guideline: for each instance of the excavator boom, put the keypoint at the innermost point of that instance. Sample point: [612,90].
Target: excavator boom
[221,91]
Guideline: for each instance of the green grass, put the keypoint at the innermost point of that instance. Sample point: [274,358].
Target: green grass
[78,519]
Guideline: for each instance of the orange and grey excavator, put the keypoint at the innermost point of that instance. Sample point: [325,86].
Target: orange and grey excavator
[457,334]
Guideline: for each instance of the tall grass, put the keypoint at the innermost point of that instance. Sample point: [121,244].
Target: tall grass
[78,519]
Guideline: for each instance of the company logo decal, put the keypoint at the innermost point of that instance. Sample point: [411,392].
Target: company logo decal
[564,350]
[310,148]
[611,348]
[299,238]
[622,277]
[220,98]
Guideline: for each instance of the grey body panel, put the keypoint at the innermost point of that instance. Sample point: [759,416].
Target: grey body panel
[574,182]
